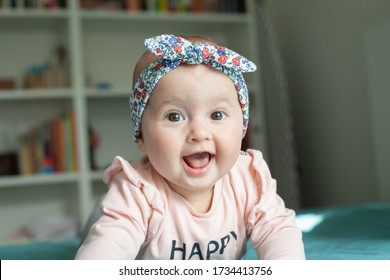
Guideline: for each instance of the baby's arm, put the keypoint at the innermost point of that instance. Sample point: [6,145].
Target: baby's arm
[120,232]
[274,233]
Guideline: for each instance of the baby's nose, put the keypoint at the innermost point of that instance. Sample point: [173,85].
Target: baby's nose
[200,131]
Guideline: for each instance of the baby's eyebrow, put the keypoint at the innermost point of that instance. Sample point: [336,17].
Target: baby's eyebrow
[224,98]
[171,101]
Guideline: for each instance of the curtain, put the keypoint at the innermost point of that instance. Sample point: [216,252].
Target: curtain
[282,160]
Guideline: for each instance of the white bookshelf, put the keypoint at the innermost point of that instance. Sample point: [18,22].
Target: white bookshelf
[105,46]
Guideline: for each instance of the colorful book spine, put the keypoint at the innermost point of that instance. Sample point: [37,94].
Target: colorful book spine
[234,6]
[34,4]
[50,147]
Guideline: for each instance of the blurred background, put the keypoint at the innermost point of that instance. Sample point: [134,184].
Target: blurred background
[338,68]
[319,101]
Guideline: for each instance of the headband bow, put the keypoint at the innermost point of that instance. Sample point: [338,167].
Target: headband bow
[174,51]
[172,48]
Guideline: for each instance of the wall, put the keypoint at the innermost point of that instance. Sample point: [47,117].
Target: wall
[377,41]
[324,49]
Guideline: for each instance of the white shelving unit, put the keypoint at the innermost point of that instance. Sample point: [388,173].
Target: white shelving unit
[103,46]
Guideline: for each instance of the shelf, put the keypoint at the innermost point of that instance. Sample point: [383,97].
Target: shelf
[97,175]
[161,17]
[39,179]
[12,20]
[109,93]
[38,14]
[13,95]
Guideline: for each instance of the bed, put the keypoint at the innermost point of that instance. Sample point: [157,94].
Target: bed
[358,232]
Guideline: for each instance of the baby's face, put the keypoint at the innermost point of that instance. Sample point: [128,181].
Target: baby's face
[192,128]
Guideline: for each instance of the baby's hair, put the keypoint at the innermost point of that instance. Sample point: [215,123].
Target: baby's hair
[147,57]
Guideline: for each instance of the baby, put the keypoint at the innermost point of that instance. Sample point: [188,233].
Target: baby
[194,195]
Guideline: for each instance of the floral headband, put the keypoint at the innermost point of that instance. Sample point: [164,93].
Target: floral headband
[174,51]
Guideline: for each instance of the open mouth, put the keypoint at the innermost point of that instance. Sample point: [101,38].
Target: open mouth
[198,160]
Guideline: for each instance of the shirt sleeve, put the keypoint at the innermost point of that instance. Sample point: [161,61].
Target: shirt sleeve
[122,228]
[272,227]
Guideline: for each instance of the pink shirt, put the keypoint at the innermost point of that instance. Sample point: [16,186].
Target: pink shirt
[144,219]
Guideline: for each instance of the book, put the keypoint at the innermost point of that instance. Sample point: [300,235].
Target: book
[132,5]
[197,6]
[50,147]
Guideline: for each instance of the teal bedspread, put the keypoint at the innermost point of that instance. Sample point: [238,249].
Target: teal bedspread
[359,232]
[348,233]
[45,250]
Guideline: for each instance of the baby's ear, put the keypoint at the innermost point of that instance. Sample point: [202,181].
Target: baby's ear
[141,144]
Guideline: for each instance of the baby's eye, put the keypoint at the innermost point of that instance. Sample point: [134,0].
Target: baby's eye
[174,117]
[217,116]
